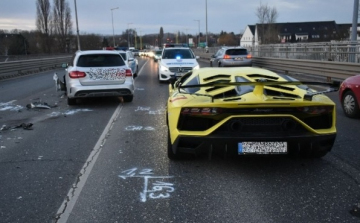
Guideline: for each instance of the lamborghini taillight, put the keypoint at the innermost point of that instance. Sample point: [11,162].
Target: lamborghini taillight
[201,111]
[316,110]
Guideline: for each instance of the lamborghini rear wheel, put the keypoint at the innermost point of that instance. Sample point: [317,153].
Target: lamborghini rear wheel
[171,154]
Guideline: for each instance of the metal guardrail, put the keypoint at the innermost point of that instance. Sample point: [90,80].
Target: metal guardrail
[329,70]
[23,67]
[340,51]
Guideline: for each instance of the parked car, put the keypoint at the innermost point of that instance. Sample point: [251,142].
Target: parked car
[130,61]
[248,111]
[349,95]
[176,60]
[98,73]
[231,57]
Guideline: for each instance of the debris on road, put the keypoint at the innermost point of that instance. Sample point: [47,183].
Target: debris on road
[59,85]
[40,105]
[26,126]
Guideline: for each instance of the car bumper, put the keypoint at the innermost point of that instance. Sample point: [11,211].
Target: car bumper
[231,63]
[79,91]
[216,143]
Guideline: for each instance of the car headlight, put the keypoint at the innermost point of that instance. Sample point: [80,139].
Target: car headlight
[163,68]
[196,67]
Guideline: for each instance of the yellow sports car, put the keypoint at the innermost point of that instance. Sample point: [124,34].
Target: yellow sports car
[248,111]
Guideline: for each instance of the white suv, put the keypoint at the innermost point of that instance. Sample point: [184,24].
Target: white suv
[176,60]
[98,73]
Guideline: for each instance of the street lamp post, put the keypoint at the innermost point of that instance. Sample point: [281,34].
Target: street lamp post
[199,30]
[77,26]
[135,44]
[186,35]
[206,23]
[112,19]
[128,34]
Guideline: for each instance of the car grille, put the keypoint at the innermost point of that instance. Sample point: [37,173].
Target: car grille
[102,93]
[180,69]
[262,125]
[268,125]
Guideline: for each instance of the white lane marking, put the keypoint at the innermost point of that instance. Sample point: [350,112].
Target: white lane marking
[67,206]
[139,72]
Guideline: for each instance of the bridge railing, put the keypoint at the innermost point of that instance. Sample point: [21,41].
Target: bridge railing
[23,67]
[340,51]
[327,70]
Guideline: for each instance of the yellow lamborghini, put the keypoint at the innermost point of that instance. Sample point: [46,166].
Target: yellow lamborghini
[248,111]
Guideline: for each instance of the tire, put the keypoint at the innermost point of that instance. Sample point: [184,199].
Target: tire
[350,105]
[71,101]
[128,98]
[65,85]
[318,154]
[170,152]
[219,65]
[211,64]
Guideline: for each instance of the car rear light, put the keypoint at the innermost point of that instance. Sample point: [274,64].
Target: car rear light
[316,110]
[248,56]
[128,73]
[201,111]
[77,74]
[227,56]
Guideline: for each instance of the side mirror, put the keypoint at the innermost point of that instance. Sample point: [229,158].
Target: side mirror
[197,57]
[173,78]
[131,59]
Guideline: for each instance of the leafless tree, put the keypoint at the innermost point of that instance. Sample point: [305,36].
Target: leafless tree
[62,24]
[267,17]
[43,23]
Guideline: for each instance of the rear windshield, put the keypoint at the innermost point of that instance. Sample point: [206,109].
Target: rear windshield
[178,54]
[235,52]
[123,55]
[100,60]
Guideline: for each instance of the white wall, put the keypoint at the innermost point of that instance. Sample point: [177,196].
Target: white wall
[247,38]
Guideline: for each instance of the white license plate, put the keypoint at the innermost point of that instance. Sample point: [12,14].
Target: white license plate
[262,148]
[238,58]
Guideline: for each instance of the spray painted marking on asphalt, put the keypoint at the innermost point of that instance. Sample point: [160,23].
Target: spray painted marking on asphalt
[139,108]
[69,112]
[154,186]
[149,111]
[139,128]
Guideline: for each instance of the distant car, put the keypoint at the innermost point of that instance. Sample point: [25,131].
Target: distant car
[136,52]
[157,55]
[231,57]
[176,60]
[248,111]
[349,95]
[130,61]
[98,73]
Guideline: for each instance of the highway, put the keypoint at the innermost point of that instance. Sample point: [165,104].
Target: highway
[103,161]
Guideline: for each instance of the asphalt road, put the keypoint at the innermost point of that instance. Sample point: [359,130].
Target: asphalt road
[103,161]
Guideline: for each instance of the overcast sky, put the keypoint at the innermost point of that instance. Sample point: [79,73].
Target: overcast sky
[147,16]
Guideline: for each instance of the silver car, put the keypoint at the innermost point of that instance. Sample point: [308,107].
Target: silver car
[130,61]
[231,57]
[98,73]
